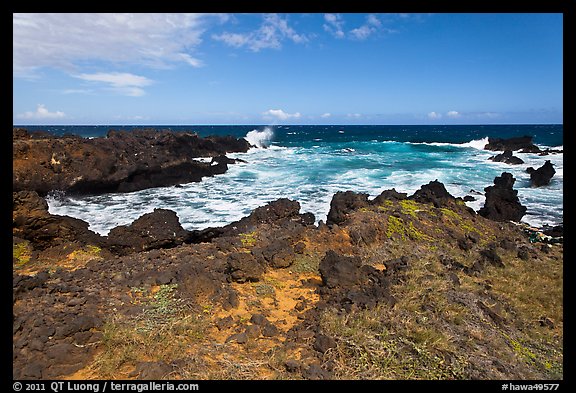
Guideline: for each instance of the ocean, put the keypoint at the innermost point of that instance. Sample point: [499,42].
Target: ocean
[310,163]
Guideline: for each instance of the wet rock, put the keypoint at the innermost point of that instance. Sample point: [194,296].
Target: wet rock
[541,176]
[32,221]
[502,203]
[554,231]
[507,157]
[122,161]
[523,143]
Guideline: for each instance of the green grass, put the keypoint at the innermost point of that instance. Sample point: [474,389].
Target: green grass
[368,349]
[161,332]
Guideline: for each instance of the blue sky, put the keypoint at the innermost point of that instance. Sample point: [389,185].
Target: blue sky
[287,68]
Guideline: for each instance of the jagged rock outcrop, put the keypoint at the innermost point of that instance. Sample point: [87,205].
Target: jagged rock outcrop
[433,192]
[123,161]
[507,157]
[541,176]
[158,229]
[344,202]
[502,203]
[522,143]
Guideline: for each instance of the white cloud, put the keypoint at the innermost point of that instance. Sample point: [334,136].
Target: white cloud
[76,91]
[488,115]
[280,114]
[434,115]
[371,26]
[334,25]
[66,40]
[373,20]
[41,113]
[362,32]
[120,82]
[354,115]
[270,35]
[453,114]
[325,115]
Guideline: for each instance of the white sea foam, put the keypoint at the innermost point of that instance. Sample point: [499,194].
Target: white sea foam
[475,143]
[260,138]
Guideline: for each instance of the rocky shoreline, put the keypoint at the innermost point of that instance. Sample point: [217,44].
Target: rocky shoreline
[397,287]
[123,161]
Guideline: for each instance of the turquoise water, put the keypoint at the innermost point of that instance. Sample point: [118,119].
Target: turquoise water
[310,163]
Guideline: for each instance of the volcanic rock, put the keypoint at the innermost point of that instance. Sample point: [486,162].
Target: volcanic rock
[391,195]
[433,192]
[123,161]
[349,283]
[32,221]
[523,143]
[541,176]
[343,203]
[159,229]
[502,203]
[507,158]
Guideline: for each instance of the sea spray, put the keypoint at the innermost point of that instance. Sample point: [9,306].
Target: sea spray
[260,138]
[477,143]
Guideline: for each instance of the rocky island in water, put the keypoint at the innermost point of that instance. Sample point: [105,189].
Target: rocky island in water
[398,286]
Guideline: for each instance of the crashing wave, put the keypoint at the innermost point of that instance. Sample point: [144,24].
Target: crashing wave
[260,138]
